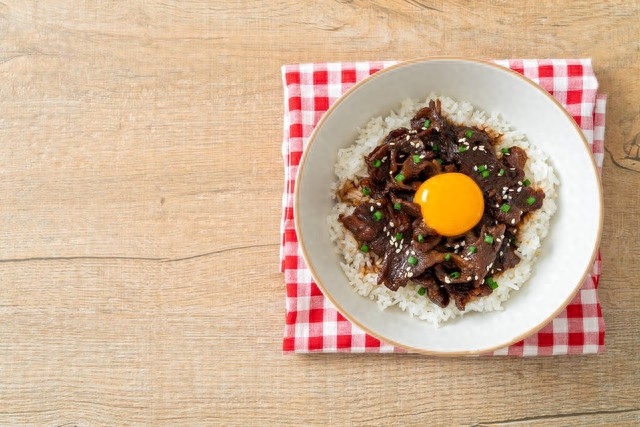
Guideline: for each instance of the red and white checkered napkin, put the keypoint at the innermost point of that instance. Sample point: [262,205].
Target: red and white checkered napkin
[312,323]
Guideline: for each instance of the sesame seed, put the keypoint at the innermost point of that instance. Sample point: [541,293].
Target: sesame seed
[519,189]
[476,277]
[398,250]
[408,137]
[468,277]
[371,208]
[513,221]
[410,274]
[475,168]
[475,147]
[413,252]
[446,279]
[462,140]
[407,252]
[385,227]
[501,253]
[391,224]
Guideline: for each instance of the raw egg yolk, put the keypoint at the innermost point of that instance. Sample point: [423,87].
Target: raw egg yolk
[451,203]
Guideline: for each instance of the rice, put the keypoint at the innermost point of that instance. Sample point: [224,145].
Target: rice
[358,265]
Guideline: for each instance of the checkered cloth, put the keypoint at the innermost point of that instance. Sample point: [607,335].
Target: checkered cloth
[312,323]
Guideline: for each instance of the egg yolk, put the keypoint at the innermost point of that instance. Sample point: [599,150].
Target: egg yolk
[451,203]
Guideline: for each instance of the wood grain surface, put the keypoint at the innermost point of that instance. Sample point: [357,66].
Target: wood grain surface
[141,182]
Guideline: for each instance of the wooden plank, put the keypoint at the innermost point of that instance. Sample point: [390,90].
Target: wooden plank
[139,230]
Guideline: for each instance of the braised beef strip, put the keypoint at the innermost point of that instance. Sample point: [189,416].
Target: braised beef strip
[387,222]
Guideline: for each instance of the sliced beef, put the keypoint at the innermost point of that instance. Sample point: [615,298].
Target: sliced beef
[391,225]
[436,293]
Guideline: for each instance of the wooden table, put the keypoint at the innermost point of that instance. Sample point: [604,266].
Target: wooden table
[141,182]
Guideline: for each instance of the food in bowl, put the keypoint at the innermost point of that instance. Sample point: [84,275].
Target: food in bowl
[440,209]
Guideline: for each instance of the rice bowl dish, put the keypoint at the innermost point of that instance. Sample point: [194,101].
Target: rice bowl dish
[362,268]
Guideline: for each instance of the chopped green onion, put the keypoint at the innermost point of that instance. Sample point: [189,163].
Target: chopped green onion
[447,257]
[462,149]
[439,161]
[468,133]
[505,208]
[485,174]
[504,151]
[416,158]
[422,290]
[366,191]
[526,183]
[426,124]
[482,168]
[399,236]
[397,206]
[491,283]
[488,238]
[377,215]
[399,177]
[412,260]
[531,200]
[472,249]
[420,238]
[377,163]
[364,248]
[501,172]
[455,275]
[435,148]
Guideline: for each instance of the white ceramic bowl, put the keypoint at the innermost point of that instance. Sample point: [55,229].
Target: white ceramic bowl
[567,252]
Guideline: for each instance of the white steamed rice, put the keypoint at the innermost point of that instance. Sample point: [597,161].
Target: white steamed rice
[360,267]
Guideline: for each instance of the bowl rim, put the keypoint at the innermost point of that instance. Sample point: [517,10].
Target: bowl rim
[444,353]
